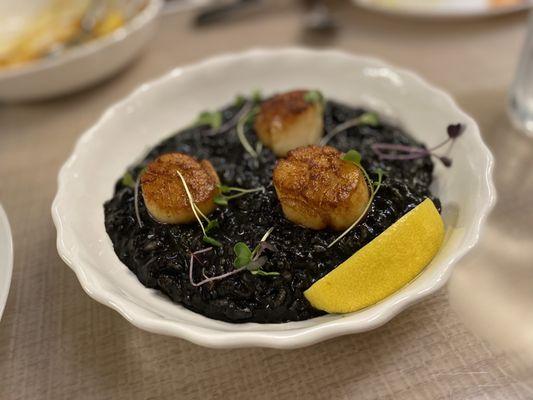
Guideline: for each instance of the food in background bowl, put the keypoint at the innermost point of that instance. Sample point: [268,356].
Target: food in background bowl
[254,211]
[63,24]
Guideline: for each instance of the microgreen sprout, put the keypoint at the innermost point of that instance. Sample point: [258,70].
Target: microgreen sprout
[206,280]
[314,96]
[367,118]
[136,200]
[243,120]
[245,108]
[392,151]
[213,119]
[245,260]
[252,260]
[239,100]
[225,195]
[354,157]
[257,96]
[127,180]
[210,224]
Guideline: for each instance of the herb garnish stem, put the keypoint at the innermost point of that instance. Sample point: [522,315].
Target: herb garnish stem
[242,137]
[206,280]
[266,235]
[363,214]
[245,109]
[191,201]
[346,125]
[440,145]
[339,128]
[136,201]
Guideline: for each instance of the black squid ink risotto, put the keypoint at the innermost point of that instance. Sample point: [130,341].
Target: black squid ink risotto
[204,271]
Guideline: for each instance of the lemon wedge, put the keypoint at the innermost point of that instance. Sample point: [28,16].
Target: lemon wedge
[384,265]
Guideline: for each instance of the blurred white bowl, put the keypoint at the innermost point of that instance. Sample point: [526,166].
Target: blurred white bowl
[80,66]
[169,103]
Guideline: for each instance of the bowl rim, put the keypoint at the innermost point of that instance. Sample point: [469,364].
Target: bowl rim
[147,14]
[283,339]
[4,286]
[445,14]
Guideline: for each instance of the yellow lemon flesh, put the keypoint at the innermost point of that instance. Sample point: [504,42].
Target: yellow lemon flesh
[384,265]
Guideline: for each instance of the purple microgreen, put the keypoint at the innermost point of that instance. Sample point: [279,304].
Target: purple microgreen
[252,260]
[127,180]
[256,264]
[245,109]
[262,246]
[455,130]
[211,279]
[367,118]
[374,187]
[245,260]
[393,151]
[446,161]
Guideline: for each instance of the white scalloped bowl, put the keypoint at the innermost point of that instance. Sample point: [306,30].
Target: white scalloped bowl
[156,109]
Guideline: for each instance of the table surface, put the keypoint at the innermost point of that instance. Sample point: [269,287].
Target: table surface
[56,342]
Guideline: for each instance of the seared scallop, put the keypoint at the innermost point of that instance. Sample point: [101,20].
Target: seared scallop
[289,120]
[165,195]
[317,189]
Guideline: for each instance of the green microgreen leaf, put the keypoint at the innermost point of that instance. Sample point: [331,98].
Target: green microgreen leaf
[239,100]
[221,200]
[260,272]
[212,224]
[352,156]
[127,180]
[213,119]
[210,240]
[243,255]
[225,189]
[314,96]
[377,183]
[252,260]
[257,96]
[369,118]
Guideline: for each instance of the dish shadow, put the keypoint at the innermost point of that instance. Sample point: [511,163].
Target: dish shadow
[110,353]
[491,289]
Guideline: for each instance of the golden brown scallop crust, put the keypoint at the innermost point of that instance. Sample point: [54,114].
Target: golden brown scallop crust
[287,121]
[163,191]
[317,189]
